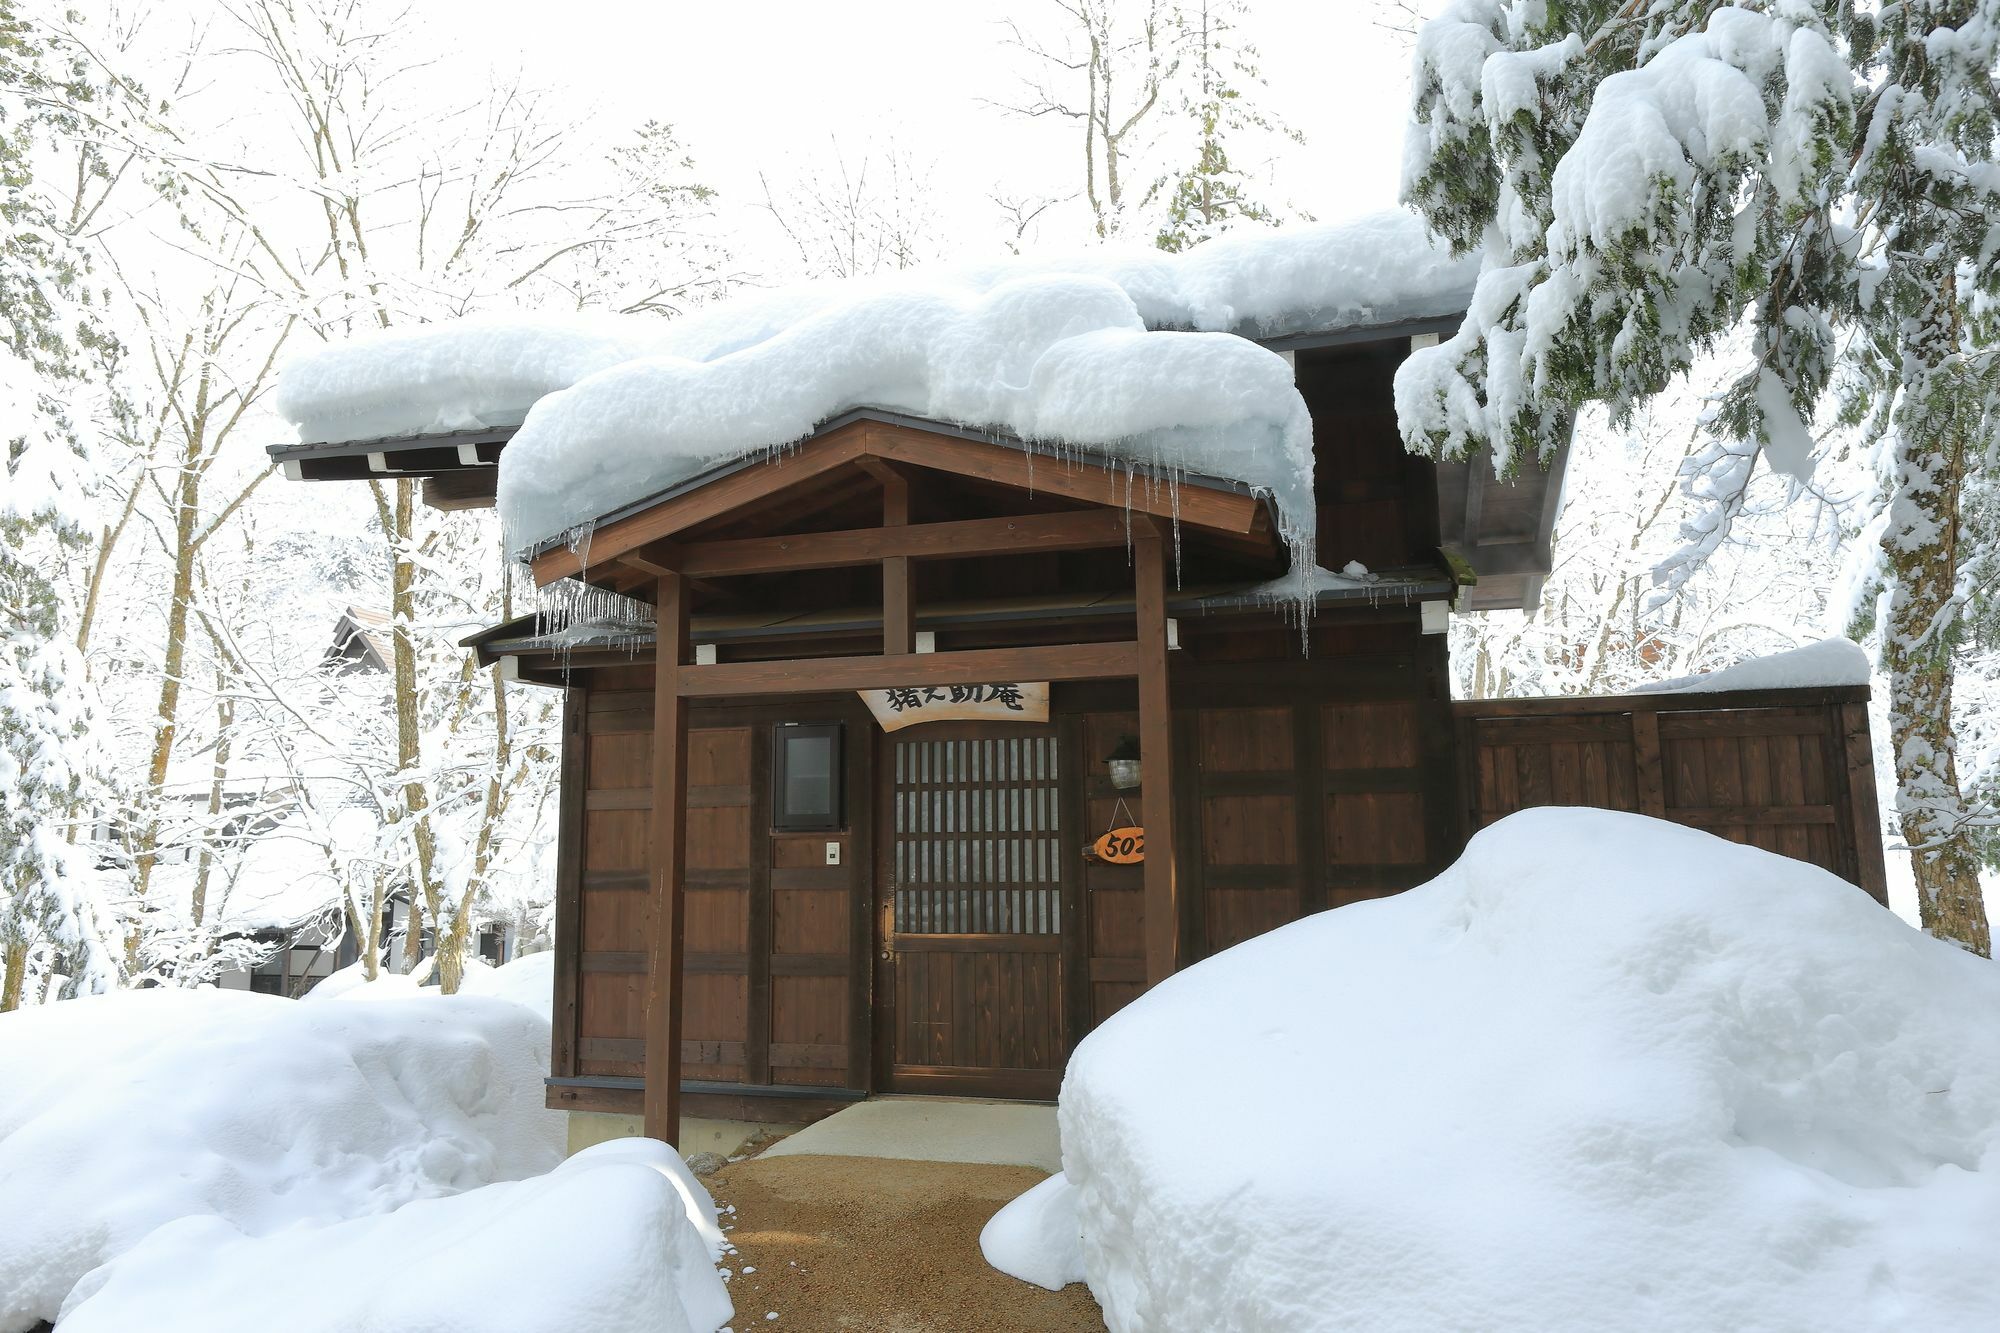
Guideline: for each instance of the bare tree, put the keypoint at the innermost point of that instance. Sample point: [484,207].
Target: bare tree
[1106,68]
[869,215]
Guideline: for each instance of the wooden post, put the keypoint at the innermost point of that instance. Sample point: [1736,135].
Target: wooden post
[1647,762]
[1156,753]
[670,743]
[899,630]
[1864,812]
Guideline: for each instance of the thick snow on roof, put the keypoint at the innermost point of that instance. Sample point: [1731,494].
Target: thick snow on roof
[1605,1072]
[1137,355]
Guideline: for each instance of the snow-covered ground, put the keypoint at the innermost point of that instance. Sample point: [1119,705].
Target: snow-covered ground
[1605,1072]
[200,1158]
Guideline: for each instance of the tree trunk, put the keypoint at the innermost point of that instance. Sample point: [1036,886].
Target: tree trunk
[187,509]
[400,521]
[15,976]
[1920,544]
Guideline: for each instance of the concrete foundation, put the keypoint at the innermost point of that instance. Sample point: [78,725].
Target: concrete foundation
[698,1133]
[935,1129]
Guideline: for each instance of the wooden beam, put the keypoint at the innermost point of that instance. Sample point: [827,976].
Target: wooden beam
[899,627]
[982,666]
[883,471]
[654,558]
[1156,754]
[470,489]
[1077,530]
[703,503]
[664,992]
[1096,481]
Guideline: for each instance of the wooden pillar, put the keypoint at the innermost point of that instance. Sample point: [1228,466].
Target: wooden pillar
[899,630]
[669,866]
[1156,753]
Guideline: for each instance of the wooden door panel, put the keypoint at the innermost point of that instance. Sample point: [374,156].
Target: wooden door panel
[974,913]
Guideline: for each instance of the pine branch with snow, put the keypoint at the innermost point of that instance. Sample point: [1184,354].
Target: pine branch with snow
[1643,179]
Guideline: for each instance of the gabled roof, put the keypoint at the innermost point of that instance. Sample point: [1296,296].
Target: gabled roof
[867,436]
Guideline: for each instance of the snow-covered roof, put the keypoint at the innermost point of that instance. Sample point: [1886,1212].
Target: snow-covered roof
[1137,356]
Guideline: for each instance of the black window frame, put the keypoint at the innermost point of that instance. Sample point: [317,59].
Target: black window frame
[784,820]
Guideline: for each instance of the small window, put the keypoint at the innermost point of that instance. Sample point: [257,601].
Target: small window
[805,778]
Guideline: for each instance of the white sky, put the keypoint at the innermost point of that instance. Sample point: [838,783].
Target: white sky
[765,85]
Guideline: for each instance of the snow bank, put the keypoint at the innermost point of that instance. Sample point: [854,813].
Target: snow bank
[352,983]
[618,1239]
[122,1114]
[1605,1072]
[529,981]
[1827,663]
[1037,1237]
[1072,348]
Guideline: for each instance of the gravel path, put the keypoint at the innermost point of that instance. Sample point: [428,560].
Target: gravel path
[886,1246]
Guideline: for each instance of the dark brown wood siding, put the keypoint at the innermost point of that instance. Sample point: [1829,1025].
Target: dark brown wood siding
[1790,771]
[775,937]
[1305,782]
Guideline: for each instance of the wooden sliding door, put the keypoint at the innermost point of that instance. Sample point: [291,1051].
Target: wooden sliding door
[973,911]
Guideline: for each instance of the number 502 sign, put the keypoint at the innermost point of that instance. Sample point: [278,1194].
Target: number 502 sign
[1121,846]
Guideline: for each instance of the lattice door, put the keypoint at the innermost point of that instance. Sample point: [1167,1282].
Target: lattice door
[976,919]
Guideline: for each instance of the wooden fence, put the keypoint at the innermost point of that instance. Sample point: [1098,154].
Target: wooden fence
[1791,771]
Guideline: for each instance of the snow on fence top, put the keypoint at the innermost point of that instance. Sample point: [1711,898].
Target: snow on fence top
[1827,663]
[1138,356]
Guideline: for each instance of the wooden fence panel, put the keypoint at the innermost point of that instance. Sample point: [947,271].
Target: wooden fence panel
[1790,771]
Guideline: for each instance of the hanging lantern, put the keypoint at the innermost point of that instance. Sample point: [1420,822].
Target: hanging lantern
[1124,763]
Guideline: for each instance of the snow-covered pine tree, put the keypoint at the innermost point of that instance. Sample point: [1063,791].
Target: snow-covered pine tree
[53,919]
[1214,191]
[1642,178]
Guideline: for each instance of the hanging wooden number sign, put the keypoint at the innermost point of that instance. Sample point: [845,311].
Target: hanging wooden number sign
[1121,846]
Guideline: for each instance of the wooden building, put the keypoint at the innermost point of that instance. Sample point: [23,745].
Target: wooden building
[833,829]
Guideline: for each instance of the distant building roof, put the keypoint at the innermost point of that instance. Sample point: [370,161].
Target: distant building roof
[362,641]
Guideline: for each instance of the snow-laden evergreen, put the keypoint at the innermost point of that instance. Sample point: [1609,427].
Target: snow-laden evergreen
[1642,180]
[55,921]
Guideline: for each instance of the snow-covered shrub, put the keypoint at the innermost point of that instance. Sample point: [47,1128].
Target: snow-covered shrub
[620,1238]
[1605,1072]
[123,1113]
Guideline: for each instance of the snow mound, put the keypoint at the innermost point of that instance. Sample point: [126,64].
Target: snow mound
[124,1113]
[352,983]
[618,1239]
[1036,1237]
[1088,349]
[1605,1072]
[1829,662]
[529,981]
